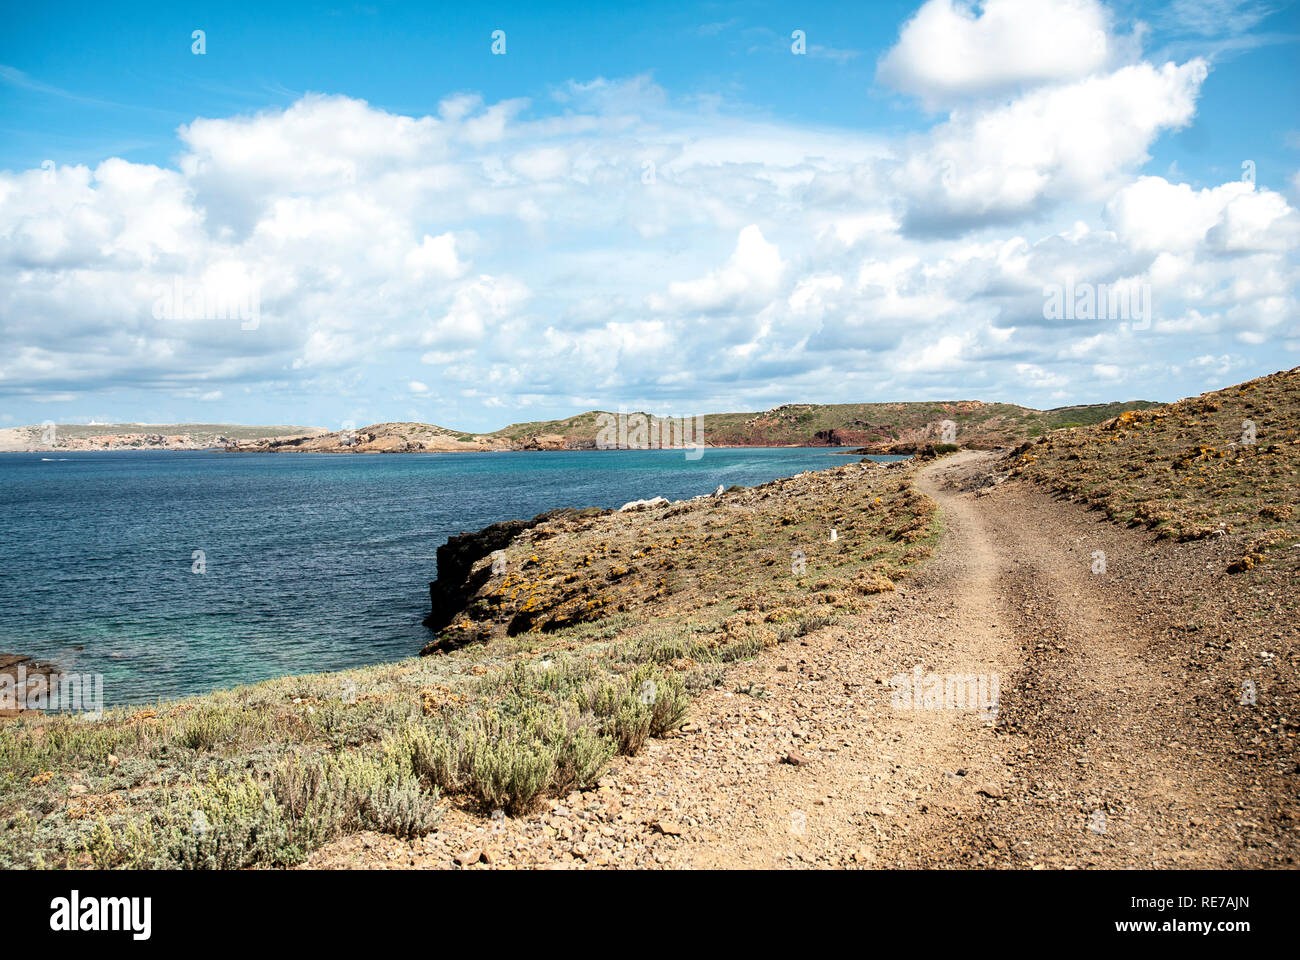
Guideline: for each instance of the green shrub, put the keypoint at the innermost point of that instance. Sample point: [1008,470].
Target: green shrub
[582,758]
[509,757]
[401,808]
[512,775]
[437,756]
[643,703]
[205,729]
[629,724]
[228,825]
[232,823]
[810,622]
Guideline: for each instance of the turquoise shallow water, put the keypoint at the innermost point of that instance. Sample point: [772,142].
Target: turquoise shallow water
[313,562]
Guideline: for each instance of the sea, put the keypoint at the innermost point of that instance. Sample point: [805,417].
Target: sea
[177,573]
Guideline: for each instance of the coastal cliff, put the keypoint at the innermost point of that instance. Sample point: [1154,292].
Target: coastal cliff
[461,575]
[823,539]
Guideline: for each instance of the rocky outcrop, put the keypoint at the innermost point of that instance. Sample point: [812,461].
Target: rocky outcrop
[16,672]
[123,441]
[403,437]
[632,505]
[844,438]
[458,582]
[554,441]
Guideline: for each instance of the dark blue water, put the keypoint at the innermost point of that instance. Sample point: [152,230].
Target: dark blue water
[313,562]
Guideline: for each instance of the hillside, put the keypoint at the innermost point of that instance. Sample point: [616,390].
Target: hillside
[1223,464]
[873,427]
[900,427]
[400,437]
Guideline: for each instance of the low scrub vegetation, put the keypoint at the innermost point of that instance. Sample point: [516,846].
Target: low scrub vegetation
[1223,464]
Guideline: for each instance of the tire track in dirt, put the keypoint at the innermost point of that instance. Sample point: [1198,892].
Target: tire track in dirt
[1108,770]
[905,783]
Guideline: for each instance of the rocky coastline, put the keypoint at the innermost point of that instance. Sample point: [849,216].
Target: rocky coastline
[567,567]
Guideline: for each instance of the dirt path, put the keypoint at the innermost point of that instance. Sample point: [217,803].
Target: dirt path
[895,774]
[1118,739]
[1110,744]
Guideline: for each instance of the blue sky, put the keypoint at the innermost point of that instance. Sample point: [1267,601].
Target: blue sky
[435,232]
